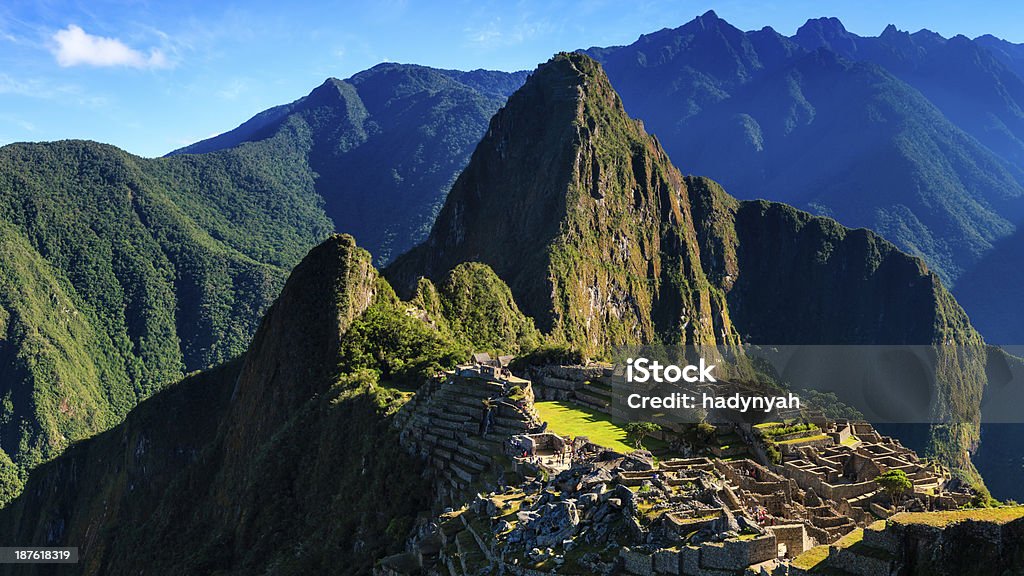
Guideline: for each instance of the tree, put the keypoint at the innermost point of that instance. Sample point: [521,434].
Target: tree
[636,431]
[10,481]
[895,483]
[705,431]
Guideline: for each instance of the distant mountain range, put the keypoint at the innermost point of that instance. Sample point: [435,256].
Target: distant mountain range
[915,136]
[385,144]
[912,135]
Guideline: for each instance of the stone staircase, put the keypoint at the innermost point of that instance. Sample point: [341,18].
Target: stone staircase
[596,395]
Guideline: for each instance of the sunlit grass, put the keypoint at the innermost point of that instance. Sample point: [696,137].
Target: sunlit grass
[567,419]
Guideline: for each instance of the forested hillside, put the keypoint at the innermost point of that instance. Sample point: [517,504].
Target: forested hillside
[119,274]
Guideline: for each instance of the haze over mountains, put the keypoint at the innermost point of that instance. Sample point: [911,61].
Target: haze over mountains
[914,136]
[385,145]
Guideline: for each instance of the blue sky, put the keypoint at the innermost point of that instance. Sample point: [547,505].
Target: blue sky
[151,77]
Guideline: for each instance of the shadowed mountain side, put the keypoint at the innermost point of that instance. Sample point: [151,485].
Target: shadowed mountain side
[255,465]
[767,118]
[385,145]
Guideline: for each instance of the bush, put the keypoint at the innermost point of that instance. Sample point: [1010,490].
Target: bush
[705,431]
[784,430]
[548,354]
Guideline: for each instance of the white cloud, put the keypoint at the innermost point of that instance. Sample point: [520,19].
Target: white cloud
[233,89]
[496,33]
[76,47]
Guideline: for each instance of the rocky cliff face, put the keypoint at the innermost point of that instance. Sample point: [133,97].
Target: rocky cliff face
[793,278]
[581,213]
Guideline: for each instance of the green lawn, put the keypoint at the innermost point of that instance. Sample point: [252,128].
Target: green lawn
[811,558]
[804,439]
[999,515]
[568,419]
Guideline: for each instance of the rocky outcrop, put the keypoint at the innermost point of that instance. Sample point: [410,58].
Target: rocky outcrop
[296,350]
[276,460]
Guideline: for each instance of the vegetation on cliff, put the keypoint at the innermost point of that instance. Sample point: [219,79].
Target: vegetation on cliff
[478,308]
[118,274]
[283,461]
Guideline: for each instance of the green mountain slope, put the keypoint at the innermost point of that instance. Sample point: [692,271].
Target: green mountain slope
[283,461]
[385,145]
[544,203]
[126,273]
[119,274]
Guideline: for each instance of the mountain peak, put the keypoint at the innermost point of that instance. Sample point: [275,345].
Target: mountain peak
[830,25]
[296,347]
[332,90]
[581,213]
[892,30]
[706,21]
[828,33]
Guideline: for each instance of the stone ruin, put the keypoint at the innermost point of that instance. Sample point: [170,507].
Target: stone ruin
[460,423]
[574,506]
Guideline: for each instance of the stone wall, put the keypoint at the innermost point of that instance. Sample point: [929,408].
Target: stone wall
[882,539]
[847,491]
[861,564]
[560,382]
[637,562]
[794,536]
[708,559]
[738,554]
[792,448]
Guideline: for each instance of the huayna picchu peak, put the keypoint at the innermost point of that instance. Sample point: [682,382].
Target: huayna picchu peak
[578,209]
